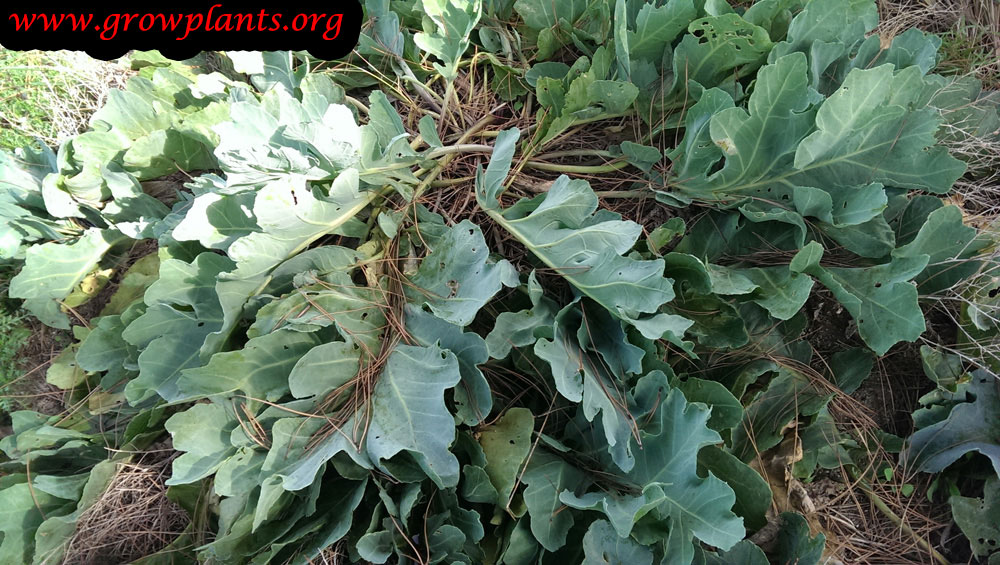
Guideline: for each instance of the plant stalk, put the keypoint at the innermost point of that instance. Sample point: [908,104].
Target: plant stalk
[578,169]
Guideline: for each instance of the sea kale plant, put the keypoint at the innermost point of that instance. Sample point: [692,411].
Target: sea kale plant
[516,282]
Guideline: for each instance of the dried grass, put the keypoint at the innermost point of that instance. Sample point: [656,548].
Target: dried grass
[897,16]
[333,555]
[872,521]
[131,520]
[937,16]
[970,32]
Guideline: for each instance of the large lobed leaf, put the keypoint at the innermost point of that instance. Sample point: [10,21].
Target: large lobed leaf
[561,228]
[970,426]
[409,414]
[672,492]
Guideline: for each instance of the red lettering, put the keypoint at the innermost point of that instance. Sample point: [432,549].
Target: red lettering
[110,27]
[53,22]
[128,20]
[169,22]
[333,24]
[208,20]
[241,18]
[18,22]
[83,23]
[314,19]
[191,26]
[228,25]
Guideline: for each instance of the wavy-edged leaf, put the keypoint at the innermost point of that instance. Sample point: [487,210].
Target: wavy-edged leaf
[672,491]
[971,426]
[795,544]
[519,329]
[881,299]
[324,368]
[558,24]
[22,511]
[546,476]
[745,553]
[267,69]
[561,228]
[202,433]
[182,310]
[715,46]
[329,524]
[457,277]
[409,414]
[590,359]
[587,95]
[217,220]
[779,291]
[259,370]
[788,394]
[753,494]
[455,20]
[54,534]
[103,348]
[53,270]
[291,216]
[506,445]
[473,397]
[603,546]
[298,468]
[858,136]
[656,27]
[949,244]
[979,518]
[64,371]
[694,506]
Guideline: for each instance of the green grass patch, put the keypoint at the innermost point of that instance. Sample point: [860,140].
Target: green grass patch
[13,334]
[969,48]
[27,79]
[51,95]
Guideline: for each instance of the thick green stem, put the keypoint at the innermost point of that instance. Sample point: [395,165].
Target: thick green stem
[528,129]
[432,175]
[459,148]
[575,153]
[620,194]
[539,165]
[426,93]
[451,182]
[357,104]
[449,93]
[600,118]
[578,169]
[433,154]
